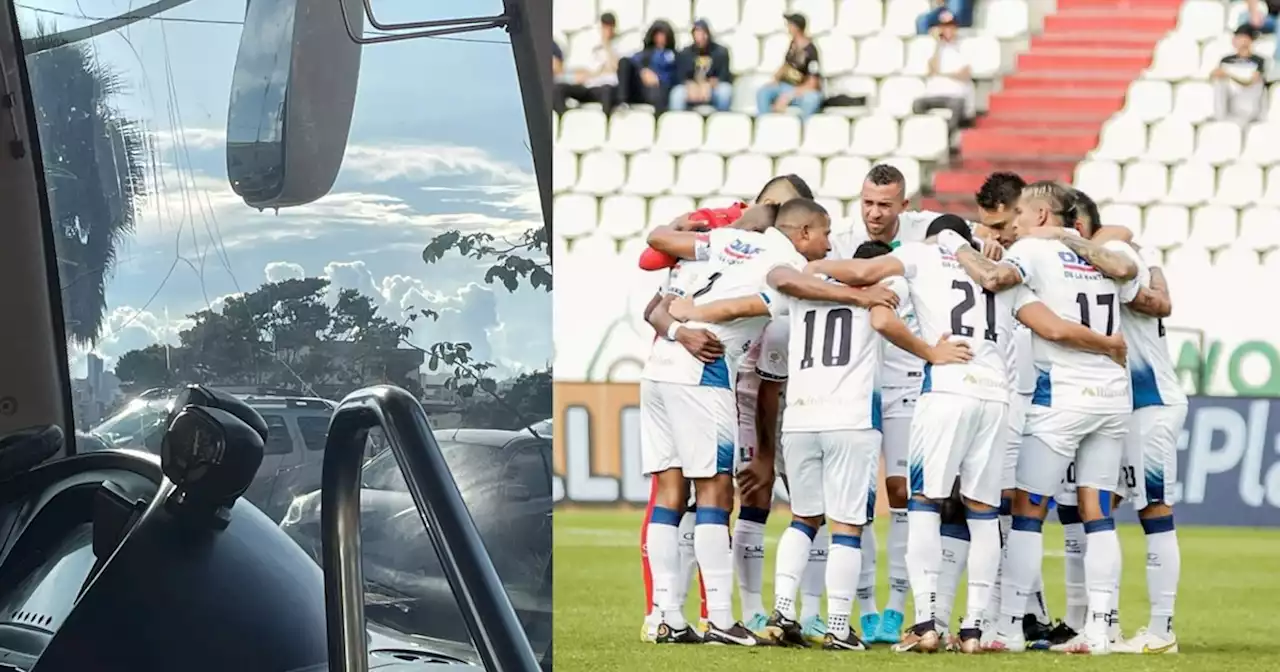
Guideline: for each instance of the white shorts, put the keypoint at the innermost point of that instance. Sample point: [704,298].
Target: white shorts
[686,427]
[1018,405]
[898,402]
[832,473]
[1064,449]
[1150,464]
[897,406]
[954,435]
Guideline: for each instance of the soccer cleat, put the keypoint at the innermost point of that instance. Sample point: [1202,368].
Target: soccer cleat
[871,627]
[1071,644]
[1087,646]
[1033,630]
[784,631]
[1061,633]
[648,632]
[735,635]
[999,644]
[814,629]
[757,624]
[849,642]
[1146,642]
[703,625]
[921,638]
[890,630]
[669,635]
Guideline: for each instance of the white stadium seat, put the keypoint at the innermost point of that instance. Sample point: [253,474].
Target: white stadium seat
[1004,19]
[1213,227]
[1100,179]
[839,54]
[1177,57]
[675,12]
[1258,228]
[727,134]
[564,169]
[825,135]
[630,14]
[575,214]
[1149,100]
[1123,138]
[583,130]
[650,173]
[919,50]
[573,15]
[858,18]
[773,51]
[1191,183]
[1193,101]
[1121,214]
[819,14]
[623,216]
[879,55]
[601,172]
[630,131]
[900,16]
[744,174]
[809,168]
[1201,19]
[1262,144]
[761,17]
[1271,195]
[744,50]
[776,134]
[699,174]
[910,172]
[897,94]
[1239,185]
[1165,226]
[842,176]
[1170,141]
[835,208]
[925,137]
[722,16]
[679,132]
[874,136]
[744,92]
[664,209]
[1218,142]
[983,53]
[1143,183]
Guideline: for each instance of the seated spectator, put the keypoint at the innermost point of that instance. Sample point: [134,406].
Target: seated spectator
[950,83]
[962,10]
[1262,16]
[702,73]
[647,76]
[798,83]
[1238,84]
[598,82]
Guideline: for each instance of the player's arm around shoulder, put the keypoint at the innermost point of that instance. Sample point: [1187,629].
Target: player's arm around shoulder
[1148,292]
[726,310]
[994,276]
[858,272]
[682,240]
[808,287]
[1046,324]
[889,325]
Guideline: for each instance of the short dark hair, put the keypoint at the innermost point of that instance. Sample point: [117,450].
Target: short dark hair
[1086,205]
[608,19]
[872,249]
[883,174]
[799,208]
[797,185]
[999,189]
[949,222]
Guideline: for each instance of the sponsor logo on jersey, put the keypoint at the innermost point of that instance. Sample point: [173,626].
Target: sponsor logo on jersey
[1075,266]
[741,250]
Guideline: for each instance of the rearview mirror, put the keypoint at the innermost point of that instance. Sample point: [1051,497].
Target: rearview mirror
[292,94]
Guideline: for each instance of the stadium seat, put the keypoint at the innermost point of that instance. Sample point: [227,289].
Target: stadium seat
[1149,99]
[717,201]
[1100,179]
[1193,101]
[1171,140]
[1177,57]
[1121,214]
[773,51]
[910,172]
[1213,227]
[1217,142]
[919,50]
[1200,20]
[1191,184]
[1271,194]
[744,50]
[573,15]
[744,92]
[679,132]
[1239,184]
[897,95]
[925,137]
[650,173]
[820,15]
[1123,138]
[575,214]
[630,14]
[723,16]
[1166,226]
[601,172]
[1211,54]
[727,133]
[699,174]
[874,136]
[842,177]
[630,131]
[900,16]
[744,173]
[664,209]
[776,134]
[1004,19]
[983,53]
[1262,144]
[1143,183]
[839,54]
[583,130]
[879,55]
[675,12]
[564,170]
[1258,228]
[809,168]
[623,216]
[825,135]
[761,17]
[835,208]
[858,18]
[856,85]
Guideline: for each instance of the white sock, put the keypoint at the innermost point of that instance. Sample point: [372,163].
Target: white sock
[844,564]
[1102,573]
[867,579]
[1025,553]
[1113,617]
[814,581]
[664,564]
[984,563]
[899,582]
[955,557]
[793,558]
[688,559]
[924,558]
[993,606]
[715,559]
[1036,606]
[748,559]
[1077,596]
[1164,567]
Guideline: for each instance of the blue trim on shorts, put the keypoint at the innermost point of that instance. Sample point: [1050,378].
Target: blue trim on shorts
[1146,392]
[926,385]
[1154,477]
[877,415]
[1104,503]
[716,374]
[1100,525]
[871,504]
[711,515]
[724,457]
[850,540]
[1157,525]
[1043,394]
[664,516]
[1027,524]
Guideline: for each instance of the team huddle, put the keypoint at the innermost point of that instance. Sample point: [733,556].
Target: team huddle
[1001,369]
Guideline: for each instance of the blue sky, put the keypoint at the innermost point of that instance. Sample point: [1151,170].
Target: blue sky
[438,141]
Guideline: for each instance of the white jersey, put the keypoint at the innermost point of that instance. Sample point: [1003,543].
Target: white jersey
[1066,378]
[738,262]
[774,343]
[1022,362]
[1151,372]
[833,363]
[662,353]
[948,301]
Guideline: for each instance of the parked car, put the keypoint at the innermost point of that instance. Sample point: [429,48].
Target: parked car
[297,427]
[505,479]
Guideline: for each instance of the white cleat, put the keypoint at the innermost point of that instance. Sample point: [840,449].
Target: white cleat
[1010,644]
[649,630]
[1144,642]
[1088,646]
[1071,644]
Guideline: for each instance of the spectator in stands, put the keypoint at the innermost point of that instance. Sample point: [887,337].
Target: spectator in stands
[798,83]
[647,76]
[962,10]
[702,72]
[598,83]
[950,83]
[1238,81]
[1263,15]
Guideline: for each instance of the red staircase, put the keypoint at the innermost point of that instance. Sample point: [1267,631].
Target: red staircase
[1049,112]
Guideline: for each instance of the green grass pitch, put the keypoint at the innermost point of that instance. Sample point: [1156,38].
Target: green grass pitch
[1225,619]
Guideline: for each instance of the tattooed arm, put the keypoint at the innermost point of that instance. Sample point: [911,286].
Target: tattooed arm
[1113,264]
[1154,300]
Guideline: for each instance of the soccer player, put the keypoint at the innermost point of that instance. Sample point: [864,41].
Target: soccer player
[1079,411]
[688,416]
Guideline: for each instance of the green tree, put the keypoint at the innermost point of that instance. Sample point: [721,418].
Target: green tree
[94,164]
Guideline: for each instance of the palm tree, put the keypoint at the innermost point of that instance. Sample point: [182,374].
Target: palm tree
[94,166]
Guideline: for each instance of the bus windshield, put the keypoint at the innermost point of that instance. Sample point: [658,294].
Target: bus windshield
[169,278]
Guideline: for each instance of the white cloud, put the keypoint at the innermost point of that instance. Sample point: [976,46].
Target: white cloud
[284,270]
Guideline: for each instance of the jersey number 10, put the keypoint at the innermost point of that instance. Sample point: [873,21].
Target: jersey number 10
[837,345]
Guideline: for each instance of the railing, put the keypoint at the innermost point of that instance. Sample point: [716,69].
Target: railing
[487,611]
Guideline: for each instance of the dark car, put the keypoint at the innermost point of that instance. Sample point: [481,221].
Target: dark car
[505,479]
